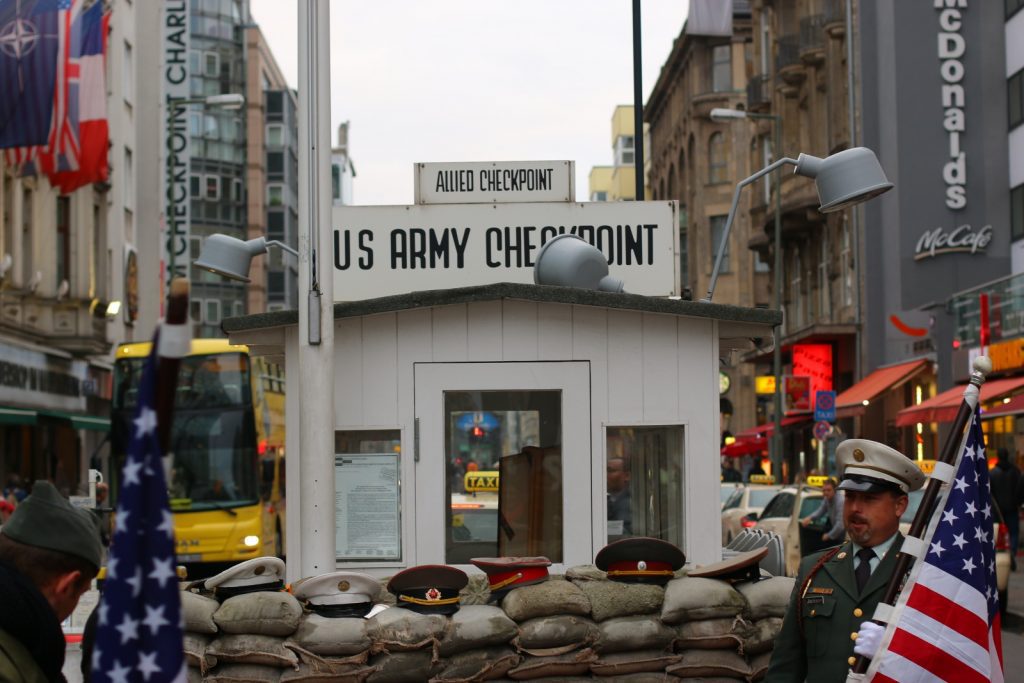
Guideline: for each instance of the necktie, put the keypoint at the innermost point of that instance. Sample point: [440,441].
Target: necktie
[863,571]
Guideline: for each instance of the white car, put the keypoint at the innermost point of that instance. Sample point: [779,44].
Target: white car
[740,510]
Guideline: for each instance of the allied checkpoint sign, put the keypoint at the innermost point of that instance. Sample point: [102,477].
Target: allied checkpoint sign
[386,250]
[491,182]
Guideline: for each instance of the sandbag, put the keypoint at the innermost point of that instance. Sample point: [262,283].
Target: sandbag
[326,636]
[543,635]
[710,663]
[263,613]
[759,666]
[405,667]
[351,673]
[623,663]
[398,630]
[195,647]
[243,673]
[550,598]
[193,675]
[478,665]
[572,664]
[477,591]
[761,636]
[626,634]
[197,613]
[768,597]
[712,634]
[246,648]
[690,599]
[610,599]
[475,627]
[585,572]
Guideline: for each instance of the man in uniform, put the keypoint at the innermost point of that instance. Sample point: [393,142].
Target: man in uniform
[49,554]
[837,589]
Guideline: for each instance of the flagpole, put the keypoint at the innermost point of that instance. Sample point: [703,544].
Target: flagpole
[950,451]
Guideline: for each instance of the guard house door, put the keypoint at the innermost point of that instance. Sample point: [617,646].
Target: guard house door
[503,462]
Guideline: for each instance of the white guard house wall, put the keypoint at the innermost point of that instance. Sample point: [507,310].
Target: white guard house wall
[620,362]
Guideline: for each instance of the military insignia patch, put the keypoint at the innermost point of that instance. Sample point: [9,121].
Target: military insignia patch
[432,594]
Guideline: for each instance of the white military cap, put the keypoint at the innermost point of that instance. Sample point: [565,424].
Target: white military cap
[338,594]
[257,574]
[869,467]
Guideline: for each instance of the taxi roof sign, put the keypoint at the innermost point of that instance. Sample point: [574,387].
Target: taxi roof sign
[481,481]
[762,478]
[817,480]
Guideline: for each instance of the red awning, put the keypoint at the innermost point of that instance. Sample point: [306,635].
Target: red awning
[850,403]
[1013,406]
[748,445]
[942,408]
[768,429]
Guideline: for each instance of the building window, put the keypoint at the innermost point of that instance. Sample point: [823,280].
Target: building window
[275,102]
[717,166]
[236,190]
[721,68]
[1017,212]
[211,64]
[599,196]
[761,264]
[336,182]
[212,187]
[275,225]
[129,179]
[684,249]
[824,288]
[26,235]
[63,239]
[796,284]
[211,316]
[625,146]
[717,230]
[845,253]
[128,74]
[275,164]
[275,135]
[275,285]
[645,483]
[1015,98]
[275,194]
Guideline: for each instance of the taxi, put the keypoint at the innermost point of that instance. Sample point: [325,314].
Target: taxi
[745,502]
[474,518]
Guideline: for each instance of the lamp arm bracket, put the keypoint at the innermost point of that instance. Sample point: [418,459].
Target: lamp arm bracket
[732,214]
[283,247]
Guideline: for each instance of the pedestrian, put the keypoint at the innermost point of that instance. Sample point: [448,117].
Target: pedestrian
[837,590]
[829,514]
[620,502]
[14,492]
[49,554]
[1006,493]
[729,473]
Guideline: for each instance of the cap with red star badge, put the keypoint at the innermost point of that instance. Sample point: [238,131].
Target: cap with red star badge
[640,560]
[507,573]
[428,588]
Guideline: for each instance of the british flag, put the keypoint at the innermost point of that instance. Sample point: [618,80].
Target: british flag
[946,625]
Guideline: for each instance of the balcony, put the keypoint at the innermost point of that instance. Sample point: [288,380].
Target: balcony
[68,325]
[788,67]
[759,93]
[834,17]
[812,39]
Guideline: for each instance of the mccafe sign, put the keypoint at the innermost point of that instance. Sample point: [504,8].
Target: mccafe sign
[964,240]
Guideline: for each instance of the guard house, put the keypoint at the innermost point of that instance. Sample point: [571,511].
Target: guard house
[515,420]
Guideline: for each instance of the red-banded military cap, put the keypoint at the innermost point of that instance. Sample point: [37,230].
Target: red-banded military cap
[640,560]
[428,588]
[506,573]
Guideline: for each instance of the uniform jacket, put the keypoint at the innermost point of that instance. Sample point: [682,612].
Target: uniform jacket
[31,639]
[832,613]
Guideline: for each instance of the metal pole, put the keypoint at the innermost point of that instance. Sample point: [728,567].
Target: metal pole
[855,211]
[776,450]
[316,552]
[638,105]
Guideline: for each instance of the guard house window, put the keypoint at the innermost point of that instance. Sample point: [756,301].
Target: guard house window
[1015,98]
[645,478]
[1017,212]
[63,239]
[503,493]
[368,512]
[717,230]
[721,68]
[717,170]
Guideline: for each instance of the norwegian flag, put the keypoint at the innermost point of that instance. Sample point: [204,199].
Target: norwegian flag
[946,626]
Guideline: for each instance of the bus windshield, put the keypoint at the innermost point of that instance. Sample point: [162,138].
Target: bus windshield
[213,438]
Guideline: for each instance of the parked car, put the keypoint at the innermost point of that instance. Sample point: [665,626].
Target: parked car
[783,513]
[737,510]
[729,490]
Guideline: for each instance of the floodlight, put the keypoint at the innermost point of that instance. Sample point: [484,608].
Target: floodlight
[231,257]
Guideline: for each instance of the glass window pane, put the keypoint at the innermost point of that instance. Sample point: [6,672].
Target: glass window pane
[504,474]
[645,483]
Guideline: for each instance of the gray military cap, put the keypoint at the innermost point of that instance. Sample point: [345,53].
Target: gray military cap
[47,520]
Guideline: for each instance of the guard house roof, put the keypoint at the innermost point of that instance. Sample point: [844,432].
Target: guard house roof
[741,325]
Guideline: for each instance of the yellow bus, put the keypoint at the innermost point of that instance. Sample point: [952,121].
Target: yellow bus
[227,453]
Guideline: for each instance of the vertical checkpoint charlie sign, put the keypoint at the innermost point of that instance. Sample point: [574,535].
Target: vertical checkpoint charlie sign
[492,182]
[175,65]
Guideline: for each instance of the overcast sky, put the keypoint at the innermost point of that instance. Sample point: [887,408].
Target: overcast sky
[472,80]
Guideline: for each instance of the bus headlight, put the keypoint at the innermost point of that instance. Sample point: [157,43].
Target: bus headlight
[251,541]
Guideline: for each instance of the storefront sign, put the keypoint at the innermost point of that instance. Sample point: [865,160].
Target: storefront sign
[764,384]
[384,250]
[797,394]
[175,73]
[35,379]
[951,47]
[1007,355]
[963,240]
[814,361]
[131,285]
[490,182]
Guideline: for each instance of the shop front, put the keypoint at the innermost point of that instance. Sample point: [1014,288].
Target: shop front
[53,415]
[516,420]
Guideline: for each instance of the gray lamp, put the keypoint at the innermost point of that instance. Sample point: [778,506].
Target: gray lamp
[842,179]
[569,261]
[231,257]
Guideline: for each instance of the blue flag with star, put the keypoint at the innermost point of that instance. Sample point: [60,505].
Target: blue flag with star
[139,635]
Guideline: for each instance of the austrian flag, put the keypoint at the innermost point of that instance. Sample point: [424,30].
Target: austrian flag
[945,626]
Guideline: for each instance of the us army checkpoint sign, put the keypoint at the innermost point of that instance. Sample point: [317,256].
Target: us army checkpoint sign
[385,250]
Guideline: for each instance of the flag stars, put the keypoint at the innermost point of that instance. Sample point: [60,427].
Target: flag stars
[145,423]
[971,509]
[147,664]
[155,618]
[969,565]
[938,549]
[960,483]
[131,472]
[119,674]
[980,534]
[987,511]
[948,516]
[104,608]
[136,582]
[959,541]
[162,570]
[167,525]
[129,630]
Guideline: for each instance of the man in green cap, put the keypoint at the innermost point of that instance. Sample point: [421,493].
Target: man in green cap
[49,554]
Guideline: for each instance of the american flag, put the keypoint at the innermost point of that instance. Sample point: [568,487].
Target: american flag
[946,625]
[139,635]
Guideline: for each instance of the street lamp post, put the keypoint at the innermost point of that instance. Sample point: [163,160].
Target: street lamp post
[842,180]
[174,104]
[776,442]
